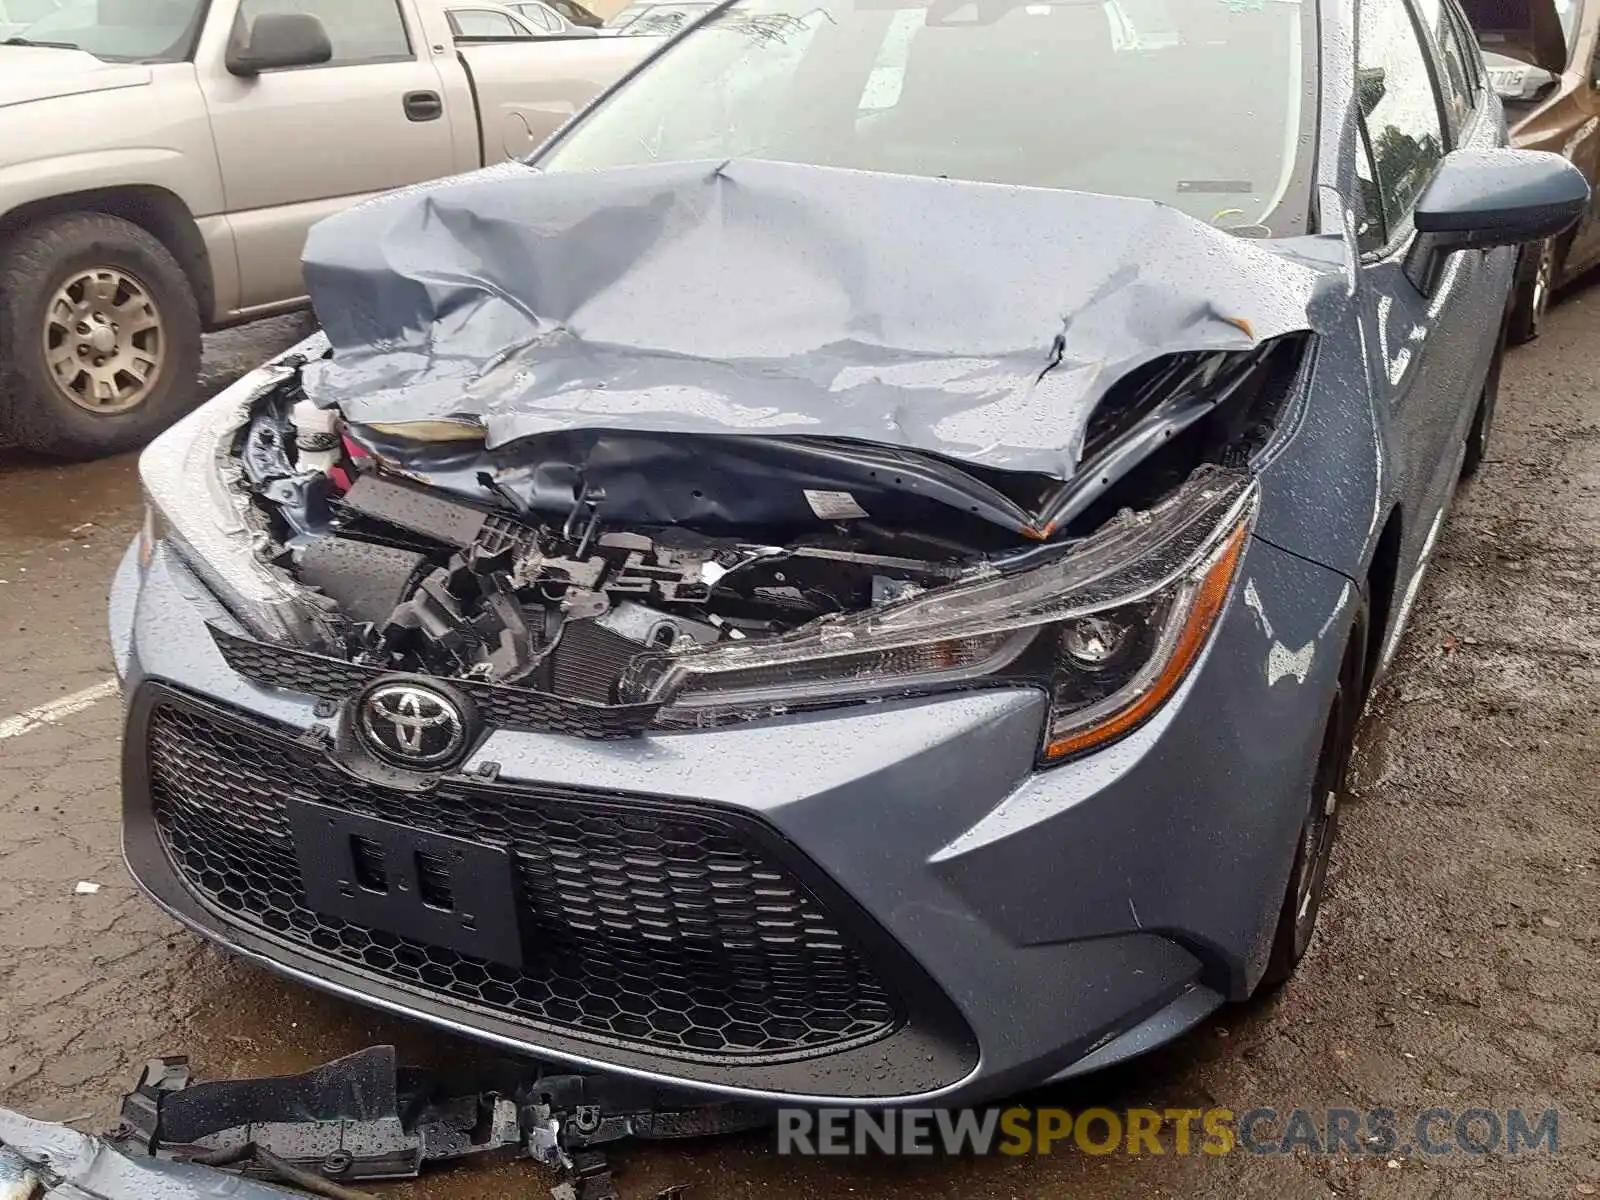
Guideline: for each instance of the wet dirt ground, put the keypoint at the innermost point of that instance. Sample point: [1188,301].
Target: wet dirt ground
[1456,963]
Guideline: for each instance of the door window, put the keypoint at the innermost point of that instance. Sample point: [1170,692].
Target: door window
[539,16]
[1453,85]
[360,31]
[1401,108]
[481,22]
[1466,47]
[1370,231]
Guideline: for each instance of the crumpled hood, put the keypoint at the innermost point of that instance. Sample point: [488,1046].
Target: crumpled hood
[40,73]
[978,322]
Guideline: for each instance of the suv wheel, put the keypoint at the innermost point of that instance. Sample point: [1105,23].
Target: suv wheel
[99,337]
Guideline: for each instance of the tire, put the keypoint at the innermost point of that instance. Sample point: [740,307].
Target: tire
[1535,280]
[1482,429]
[135,378]
[1308,877]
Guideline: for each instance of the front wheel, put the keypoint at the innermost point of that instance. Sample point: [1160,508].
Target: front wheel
[1483,419]
[1308,878]
[1536,277]
[99,336]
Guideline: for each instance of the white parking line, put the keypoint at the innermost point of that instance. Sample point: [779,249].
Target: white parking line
[49,714]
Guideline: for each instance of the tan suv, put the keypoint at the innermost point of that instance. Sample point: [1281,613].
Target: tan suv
[1544,61]
[162,160]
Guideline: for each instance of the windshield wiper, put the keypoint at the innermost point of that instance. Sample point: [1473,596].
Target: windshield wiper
[22,41]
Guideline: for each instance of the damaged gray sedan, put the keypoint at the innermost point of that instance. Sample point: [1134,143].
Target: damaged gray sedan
[852,577]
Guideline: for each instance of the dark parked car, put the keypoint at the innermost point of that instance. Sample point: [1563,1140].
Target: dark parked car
[576,13]
[861,593]
[1544,62]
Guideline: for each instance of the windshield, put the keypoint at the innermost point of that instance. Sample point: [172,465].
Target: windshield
[122,30]
[1197,103]
[659,20]
[17,15]
[1496,41]
[1568,11]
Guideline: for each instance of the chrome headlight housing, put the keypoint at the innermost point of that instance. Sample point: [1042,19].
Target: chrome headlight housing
[195,503]
[1108,629]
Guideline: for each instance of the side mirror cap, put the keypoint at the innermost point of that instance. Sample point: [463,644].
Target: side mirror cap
[277,41]
[1486,198]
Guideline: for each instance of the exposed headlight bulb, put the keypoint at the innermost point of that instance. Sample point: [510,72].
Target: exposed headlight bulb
[1092,641]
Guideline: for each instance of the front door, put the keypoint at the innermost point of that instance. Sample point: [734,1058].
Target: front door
[1430,331]
[298,145]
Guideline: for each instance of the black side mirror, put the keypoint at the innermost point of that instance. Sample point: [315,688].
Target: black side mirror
[277,41]
[1484,198]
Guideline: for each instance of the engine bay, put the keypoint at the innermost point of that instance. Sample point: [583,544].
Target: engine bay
[424,581]
[556,566]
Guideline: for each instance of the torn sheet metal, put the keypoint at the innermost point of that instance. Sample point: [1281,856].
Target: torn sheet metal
[69,1165]
[979,322]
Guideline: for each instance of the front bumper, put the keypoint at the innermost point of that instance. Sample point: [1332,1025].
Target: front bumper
[1029,924]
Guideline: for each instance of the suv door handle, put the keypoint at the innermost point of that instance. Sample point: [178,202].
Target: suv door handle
[423,106]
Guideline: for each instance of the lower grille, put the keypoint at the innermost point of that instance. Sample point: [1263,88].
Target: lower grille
[660,925]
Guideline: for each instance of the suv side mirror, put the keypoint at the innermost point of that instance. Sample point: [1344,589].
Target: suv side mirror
[1484,198]
[278,41]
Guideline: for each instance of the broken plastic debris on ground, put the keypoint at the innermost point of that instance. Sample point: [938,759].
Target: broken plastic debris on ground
[359,1119]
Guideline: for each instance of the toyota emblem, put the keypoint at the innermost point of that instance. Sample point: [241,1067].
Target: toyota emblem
[411,724]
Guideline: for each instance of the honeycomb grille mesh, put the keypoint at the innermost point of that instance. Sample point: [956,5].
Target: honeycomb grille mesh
[662,927]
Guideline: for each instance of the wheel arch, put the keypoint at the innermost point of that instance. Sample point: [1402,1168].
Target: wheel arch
[159,212]
[1382,580]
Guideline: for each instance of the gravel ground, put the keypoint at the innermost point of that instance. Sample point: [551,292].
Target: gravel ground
[1456,963]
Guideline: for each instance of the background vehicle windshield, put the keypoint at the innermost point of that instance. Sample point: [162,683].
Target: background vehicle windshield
[1197,103]
[1568,11]
[123,30]
[1521,85]
[657,20]
[17,15]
